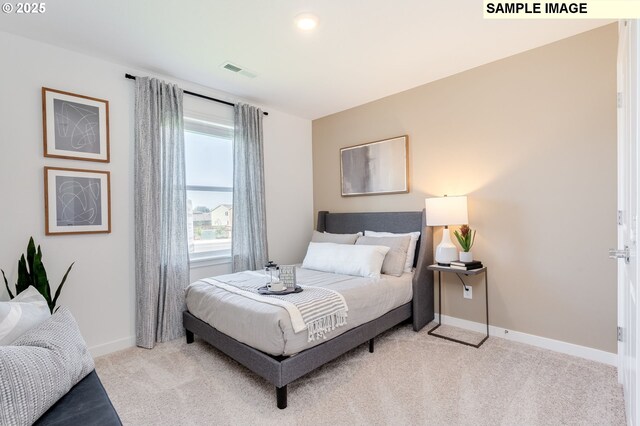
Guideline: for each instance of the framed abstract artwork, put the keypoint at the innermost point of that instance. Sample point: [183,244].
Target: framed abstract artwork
[75,126]
[76,201]
[375,168]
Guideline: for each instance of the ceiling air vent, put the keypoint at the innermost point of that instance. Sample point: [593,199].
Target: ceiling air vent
[231,67]
[238,69]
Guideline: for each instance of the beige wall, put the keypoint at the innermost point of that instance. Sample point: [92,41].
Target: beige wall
[532,140]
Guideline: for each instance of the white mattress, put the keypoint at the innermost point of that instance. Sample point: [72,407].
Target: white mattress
[268,328]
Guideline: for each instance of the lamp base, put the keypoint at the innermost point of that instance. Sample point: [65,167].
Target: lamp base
[446,252]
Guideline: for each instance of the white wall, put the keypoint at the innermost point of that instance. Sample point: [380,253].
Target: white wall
[289,186]
[100,289]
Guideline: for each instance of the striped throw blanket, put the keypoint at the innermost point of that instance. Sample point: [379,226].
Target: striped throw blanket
[318,310]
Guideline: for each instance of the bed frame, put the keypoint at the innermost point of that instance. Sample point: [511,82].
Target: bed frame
[282,370]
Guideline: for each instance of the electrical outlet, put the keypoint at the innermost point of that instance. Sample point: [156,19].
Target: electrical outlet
[468,292]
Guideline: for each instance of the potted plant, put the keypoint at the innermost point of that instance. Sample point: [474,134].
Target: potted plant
[466,237]
[31,272]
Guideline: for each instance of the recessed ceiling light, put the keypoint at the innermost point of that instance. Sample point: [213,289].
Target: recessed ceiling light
[306,21]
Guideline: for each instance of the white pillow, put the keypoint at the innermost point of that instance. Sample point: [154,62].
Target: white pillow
[411,250]
[362,261]
[26,310]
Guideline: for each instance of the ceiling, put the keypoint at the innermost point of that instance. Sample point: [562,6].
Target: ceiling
[362,50]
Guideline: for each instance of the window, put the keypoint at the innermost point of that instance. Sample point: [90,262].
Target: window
[209,173]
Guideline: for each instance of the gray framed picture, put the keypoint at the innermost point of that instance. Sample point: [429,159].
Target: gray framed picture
[75,126]
[375,168]
[76,201]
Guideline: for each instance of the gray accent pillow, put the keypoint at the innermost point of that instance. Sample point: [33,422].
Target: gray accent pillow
[325,237]
[28,309]
[411,251]
[395,259]
[40,367]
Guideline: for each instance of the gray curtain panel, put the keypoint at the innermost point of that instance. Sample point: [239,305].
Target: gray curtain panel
[249,232]
[162,258]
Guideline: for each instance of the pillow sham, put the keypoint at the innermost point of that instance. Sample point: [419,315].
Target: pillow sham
[394,260]
[411,250]
[326,237]
[28,309]
[358,260]
[40,367]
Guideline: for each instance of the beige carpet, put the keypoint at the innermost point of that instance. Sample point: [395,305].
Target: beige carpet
[412,378]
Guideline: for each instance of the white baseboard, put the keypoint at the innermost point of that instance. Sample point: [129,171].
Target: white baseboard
[114,346]
[541,342]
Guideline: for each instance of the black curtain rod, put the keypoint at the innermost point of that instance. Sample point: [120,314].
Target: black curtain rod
[209,98]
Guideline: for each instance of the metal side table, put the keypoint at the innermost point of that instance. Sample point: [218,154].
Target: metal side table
[458,272]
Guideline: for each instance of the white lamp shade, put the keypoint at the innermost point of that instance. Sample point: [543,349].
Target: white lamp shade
[445,211]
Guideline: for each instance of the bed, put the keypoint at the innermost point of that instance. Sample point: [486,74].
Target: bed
[281,356]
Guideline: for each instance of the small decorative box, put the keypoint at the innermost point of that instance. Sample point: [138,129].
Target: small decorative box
[288,275]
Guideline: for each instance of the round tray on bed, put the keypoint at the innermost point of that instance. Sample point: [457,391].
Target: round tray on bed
[265,290]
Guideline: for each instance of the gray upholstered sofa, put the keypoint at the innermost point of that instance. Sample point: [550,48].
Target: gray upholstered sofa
[87,403]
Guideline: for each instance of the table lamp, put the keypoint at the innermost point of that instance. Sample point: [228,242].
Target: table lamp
[445,211]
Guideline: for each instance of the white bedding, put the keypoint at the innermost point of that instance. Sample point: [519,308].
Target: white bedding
[268,328]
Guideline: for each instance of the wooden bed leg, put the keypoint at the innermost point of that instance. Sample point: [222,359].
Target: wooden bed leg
[281,395]
[189,336]
[371,345]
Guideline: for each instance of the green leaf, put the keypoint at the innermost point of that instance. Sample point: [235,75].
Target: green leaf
[64,279]
[458,237]
[24,278]
[31,251]
[40,277]
[6,284]
[461,239]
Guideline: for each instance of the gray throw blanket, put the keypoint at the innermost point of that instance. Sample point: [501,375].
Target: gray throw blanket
[317,309]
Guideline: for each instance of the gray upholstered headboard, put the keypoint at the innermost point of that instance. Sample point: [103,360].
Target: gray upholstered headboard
[397,222]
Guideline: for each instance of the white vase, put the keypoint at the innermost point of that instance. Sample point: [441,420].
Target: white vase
[466,256]
[446,251]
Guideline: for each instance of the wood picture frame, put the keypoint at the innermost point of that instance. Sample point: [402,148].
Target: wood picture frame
[375,168]
[75,126]
[77,201]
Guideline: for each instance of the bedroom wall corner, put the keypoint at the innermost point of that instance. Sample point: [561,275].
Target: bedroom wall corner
[532,140]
